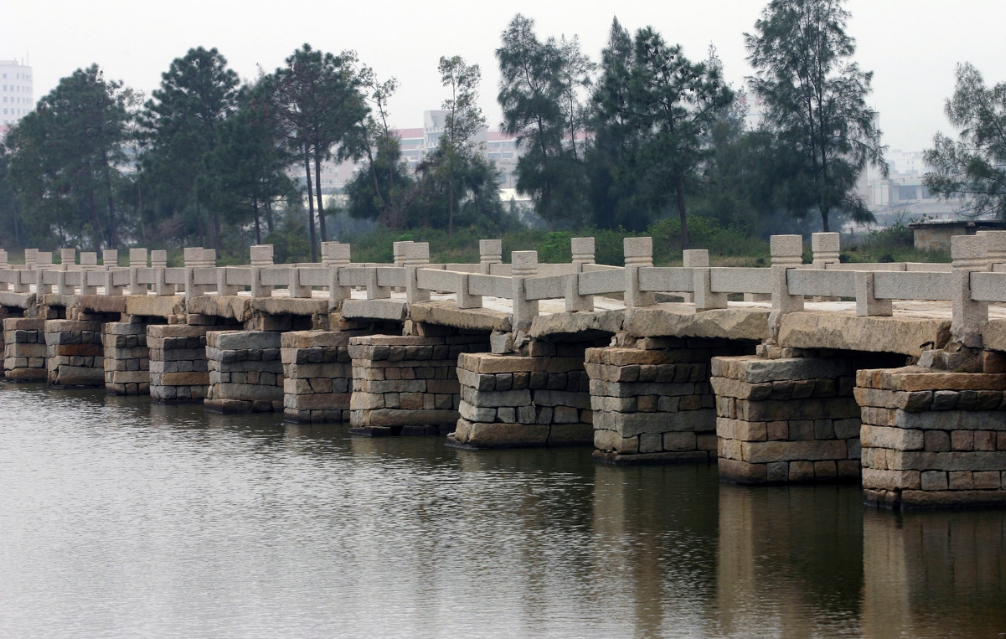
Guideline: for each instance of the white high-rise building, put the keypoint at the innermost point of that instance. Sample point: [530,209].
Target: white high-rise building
[16,97]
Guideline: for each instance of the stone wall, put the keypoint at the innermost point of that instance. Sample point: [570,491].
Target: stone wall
[74,352]
[179,369]
[653,402]
[127,358]
[24,350]
[408,385]
[786,420]
[537,400]
[932,438]
[246,373]
[318,376]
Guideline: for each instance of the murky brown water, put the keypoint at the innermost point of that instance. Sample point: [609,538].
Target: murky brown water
[119,518]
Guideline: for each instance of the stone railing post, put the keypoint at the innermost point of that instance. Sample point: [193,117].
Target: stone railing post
[995,248]
[969,254]
[30,258]
[825,248]
[3,258]
[336,256]
[375,291]
[137,260]
[787,253]
[583,251]
[88,262]
[109,258]
[223,287]
[574,301]
[110,287]
[261,255]
[415,255]
[43,260]
[524,264]
[638,253]
[158,259]
[866,304]
[67,259]
[330,252]
[193,258]
[295,287]
[705,299]
[40,287]
[490,252]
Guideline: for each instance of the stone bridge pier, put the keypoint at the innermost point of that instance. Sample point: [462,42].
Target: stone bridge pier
[790,419]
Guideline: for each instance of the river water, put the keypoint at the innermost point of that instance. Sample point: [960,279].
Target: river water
[119,518]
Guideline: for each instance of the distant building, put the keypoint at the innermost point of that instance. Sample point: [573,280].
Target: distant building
[416,144]
[16,95]
[934,235]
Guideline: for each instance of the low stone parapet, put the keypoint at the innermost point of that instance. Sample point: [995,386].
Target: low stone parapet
[932,438]
[74,353]
[127,359]
[179,369]
[24,350]
[653,403]
[406,384]
[318,376]
[246,373]
[515,401]
[786,420]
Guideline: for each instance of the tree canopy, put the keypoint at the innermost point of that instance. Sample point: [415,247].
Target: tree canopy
[973,167]
[815,104]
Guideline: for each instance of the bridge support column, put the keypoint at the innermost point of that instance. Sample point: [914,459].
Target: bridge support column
[318,376]
[74,352]
[127,357]
[179,369]
[652,402]
[932,438]
[406,384]
[542,399]
[246,373]
[24,349]
[786,420]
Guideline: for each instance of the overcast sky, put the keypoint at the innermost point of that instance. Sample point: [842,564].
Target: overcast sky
[912,46]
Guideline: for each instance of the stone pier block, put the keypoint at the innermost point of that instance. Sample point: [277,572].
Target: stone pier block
[517,401]
[127,358]
[24,350]
[933,439]
[245,371]
[408,385]
[653,403]
[179,368]
[318,376]
[788,420]
[74,353]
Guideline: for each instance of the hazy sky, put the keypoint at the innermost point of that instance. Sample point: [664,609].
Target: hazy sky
[912,46]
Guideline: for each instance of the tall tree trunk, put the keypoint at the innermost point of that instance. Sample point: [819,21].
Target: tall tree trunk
[321,201]
[268,215]
[258,226]
[450,206]
[113,231]
[679,187]
[310,205]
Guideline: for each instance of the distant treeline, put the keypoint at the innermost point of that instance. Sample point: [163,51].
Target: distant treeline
[641,135]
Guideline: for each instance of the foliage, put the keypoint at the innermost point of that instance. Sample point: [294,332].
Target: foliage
[974,166]
[534,88]
[653,111]
[815,99]
[245,174]
[66,159]
[317,97]
[182,127]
